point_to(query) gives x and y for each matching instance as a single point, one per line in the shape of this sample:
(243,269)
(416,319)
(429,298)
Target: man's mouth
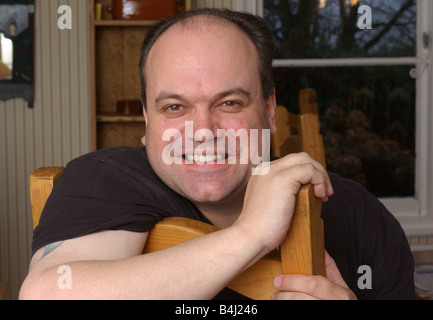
(204,158)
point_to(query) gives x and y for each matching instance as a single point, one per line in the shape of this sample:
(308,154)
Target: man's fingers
(307,170)
(281,295)
(315,286)
(305,173)
(332,272)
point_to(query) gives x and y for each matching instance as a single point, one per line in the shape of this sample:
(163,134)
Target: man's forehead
(202,22)
(203,25)
(202,45)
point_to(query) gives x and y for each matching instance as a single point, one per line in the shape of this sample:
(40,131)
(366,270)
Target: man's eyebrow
(235,91)
(167,95)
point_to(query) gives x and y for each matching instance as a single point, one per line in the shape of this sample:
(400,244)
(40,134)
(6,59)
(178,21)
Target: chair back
(296,133)
(42,181)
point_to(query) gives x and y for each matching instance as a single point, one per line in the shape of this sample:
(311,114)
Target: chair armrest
(42,181)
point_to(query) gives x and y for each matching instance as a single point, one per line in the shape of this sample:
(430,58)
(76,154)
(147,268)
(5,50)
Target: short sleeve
(113,189)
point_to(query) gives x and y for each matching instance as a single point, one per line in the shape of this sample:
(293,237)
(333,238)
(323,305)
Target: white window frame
(414,213)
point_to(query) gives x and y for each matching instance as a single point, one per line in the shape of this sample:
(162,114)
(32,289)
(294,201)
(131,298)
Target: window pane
(367,119)
(6,57)
(334,28)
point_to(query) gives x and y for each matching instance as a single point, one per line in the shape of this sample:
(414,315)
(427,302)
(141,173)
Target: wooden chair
(301,252)
(299,132)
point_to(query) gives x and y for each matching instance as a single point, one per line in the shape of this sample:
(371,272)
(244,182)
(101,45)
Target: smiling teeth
(202,158)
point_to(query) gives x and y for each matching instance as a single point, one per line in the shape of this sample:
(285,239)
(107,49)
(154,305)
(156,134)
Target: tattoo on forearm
(50,248)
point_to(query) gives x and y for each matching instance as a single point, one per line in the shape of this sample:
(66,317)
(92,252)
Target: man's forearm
(196,269)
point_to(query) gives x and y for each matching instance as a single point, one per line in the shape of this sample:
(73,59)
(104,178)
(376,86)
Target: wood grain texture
(42,181)
(296,133)
(303,251)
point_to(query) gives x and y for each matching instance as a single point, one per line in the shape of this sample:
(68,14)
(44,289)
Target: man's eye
(230,104)
(174,107)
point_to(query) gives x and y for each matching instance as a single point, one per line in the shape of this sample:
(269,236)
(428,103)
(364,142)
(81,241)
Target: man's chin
(208,198)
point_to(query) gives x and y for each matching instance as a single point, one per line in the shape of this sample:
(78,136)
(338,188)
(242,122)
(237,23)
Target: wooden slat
(303,251)
(42,181)
(306,126)
(308,101)
(293,121)
(312,141)
(283,131)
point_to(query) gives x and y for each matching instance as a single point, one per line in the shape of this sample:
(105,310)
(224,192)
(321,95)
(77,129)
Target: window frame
(415,214)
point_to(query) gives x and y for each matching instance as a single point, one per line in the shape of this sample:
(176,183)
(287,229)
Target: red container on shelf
(143,9)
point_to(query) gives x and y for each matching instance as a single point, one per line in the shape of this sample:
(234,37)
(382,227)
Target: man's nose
(205,125)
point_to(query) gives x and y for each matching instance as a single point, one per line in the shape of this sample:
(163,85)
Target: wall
(56,130)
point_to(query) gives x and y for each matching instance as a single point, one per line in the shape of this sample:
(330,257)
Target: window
(6,57)
(373,74)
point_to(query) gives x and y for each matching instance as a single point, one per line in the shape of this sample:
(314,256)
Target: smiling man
(223,91)
(213,69)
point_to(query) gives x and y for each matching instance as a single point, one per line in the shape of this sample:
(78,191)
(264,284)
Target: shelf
(119,118)
(124,23)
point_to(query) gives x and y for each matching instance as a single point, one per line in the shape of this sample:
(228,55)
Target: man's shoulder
(351,194)
(341,185)
(125,159)
(355,214)
(111,154)
(353,207)
(359,230)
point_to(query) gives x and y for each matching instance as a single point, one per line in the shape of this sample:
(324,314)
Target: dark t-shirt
(116,189)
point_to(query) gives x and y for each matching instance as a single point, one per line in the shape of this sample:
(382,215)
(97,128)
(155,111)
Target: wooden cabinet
(115,54)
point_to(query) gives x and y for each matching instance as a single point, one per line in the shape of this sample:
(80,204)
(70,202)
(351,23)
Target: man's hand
(270,199)
(303,287)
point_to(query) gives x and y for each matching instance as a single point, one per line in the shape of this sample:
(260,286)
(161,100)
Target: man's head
(253,26)
(205,70)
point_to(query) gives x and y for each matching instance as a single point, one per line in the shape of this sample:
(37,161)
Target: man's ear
(271,106)
(144,111)
(143,140)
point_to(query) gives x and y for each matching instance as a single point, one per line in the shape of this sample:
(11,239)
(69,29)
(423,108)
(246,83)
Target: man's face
(207,77)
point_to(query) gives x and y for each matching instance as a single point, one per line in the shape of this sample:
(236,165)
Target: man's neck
(221,215)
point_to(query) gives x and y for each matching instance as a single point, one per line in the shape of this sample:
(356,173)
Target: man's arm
(109,265)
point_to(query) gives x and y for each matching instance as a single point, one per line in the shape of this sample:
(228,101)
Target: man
(211,69)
